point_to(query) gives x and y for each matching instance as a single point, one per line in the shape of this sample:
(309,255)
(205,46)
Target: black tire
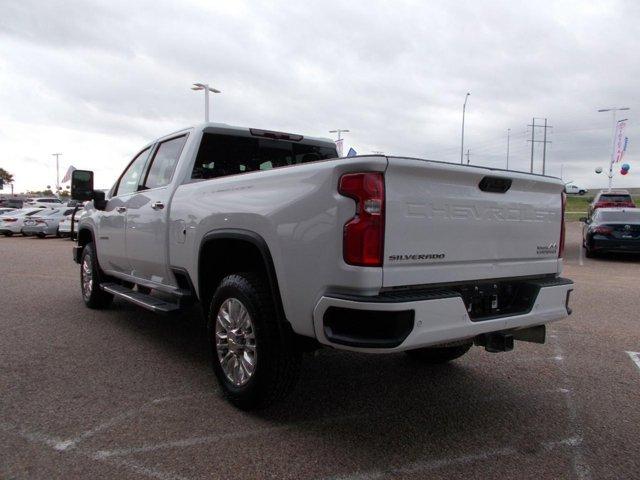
(93,296)
(277,360)
(8,234)
(435,355)
(58,234)
(41,235)
(581,192)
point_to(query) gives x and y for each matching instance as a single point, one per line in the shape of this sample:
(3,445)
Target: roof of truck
(246,130)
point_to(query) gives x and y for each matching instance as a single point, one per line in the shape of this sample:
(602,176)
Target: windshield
(619,216)
(615,198)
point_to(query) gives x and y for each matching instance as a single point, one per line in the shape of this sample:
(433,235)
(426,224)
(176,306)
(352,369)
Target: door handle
(121,209)
(158,205)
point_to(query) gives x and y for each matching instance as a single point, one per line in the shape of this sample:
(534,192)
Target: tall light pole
(57,155)
(207,89)
(613,111)
(508,141)
(464,108)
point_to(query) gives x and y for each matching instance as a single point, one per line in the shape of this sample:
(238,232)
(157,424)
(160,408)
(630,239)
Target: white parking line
(635,357)
(422,466)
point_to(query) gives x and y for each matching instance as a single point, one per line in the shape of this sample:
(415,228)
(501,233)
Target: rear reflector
(363,235)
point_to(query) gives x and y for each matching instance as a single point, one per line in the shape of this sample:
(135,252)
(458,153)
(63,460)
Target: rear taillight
(562,228)
(600,230)
(363,235)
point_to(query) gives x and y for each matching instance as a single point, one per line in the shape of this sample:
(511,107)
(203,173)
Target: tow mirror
(82,185)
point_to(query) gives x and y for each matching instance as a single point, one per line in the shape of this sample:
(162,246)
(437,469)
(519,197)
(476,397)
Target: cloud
(98,80)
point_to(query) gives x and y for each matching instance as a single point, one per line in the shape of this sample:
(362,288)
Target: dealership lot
(123,393)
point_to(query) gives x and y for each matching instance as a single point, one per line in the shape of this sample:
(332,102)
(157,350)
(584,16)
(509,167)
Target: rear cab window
(614,198)
(221,155)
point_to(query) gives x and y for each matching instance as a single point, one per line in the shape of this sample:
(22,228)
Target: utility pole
(57,155)
(613,111)
(544,147)
(464,108)
(508,140)
(207,89)
(544,141)
(467,155)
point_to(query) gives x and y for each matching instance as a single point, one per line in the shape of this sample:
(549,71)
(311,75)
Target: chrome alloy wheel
(87,277)
(236,342)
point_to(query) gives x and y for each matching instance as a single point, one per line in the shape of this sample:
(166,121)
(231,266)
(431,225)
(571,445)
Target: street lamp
(464,108)
(613,111)
(207,89)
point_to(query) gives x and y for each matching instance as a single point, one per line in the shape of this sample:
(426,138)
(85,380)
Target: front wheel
(254,356)
(41,235)
(435,355)
(90,277)
(8,234)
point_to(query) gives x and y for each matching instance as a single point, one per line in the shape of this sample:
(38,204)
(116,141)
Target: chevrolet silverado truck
(288,248)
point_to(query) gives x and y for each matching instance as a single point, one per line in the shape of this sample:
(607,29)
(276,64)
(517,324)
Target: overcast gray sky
(98,80)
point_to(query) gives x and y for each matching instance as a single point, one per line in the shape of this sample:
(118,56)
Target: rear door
(444,223)
(147,213)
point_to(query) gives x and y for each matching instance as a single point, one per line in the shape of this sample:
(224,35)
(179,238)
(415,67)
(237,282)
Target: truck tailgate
(441,227)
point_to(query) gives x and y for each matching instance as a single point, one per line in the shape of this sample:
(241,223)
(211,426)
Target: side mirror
(82,185)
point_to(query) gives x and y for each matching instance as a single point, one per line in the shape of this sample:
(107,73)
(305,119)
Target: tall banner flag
(619,141)
(339,147)
(67,176)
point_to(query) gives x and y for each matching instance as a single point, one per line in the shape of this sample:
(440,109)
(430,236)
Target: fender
(256,240)
(77,248)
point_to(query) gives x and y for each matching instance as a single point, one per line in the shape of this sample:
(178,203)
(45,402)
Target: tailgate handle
(495,184)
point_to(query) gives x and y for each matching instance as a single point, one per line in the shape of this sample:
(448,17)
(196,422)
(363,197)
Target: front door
(147,214)
(112,223)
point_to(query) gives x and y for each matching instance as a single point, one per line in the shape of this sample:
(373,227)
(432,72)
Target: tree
(6,177)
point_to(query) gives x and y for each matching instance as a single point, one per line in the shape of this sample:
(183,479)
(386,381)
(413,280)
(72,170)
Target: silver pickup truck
(288,248)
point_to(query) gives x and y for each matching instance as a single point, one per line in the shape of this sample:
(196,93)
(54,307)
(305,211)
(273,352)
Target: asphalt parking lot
(122,393)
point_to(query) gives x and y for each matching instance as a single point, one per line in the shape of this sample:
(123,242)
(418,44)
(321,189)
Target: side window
(164,162)
(131,177)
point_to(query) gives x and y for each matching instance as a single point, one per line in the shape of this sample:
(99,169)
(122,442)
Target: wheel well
(84,237)
(220,257)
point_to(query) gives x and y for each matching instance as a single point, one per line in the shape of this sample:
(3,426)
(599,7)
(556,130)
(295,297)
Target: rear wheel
(435,355)
(8,234)
(588,252)
(90,278)
(254,356)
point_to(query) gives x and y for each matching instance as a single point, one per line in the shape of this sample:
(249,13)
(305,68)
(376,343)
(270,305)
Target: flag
(67,176)
(619,141)
(339,147)
(351,153)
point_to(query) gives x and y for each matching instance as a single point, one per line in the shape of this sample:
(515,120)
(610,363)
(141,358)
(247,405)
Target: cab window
(131,177)
(164,162)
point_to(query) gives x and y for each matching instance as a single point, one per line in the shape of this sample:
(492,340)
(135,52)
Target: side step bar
(143,300)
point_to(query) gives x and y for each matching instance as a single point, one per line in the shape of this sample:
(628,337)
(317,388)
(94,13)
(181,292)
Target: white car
(43,202)
(573,189)
(13,222)
(288,247)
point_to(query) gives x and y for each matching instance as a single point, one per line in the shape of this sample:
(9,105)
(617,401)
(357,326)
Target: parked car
(612,230)
(43,202)
(611,199)
(573,189)
(288,247)
(11,203)
(12,222)
(65,226)
(46,222)
(4,210)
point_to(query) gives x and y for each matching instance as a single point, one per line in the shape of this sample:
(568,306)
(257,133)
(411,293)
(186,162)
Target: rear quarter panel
(299,214)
